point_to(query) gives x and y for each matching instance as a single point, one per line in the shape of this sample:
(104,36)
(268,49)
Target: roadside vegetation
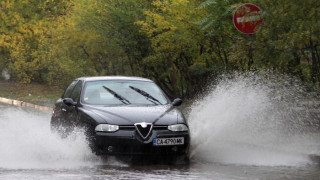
(35,93)
(180,44)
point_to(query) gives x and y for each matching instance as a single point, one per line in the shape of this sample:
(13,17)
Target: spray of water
(26,142)
(243,119)
(256,120)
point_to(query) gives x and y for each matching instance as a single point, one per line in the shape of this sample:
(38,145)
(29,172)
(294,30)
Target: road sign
(247,18)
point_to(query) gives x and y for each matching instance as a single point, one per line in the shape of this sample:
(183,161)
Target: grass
(39,94)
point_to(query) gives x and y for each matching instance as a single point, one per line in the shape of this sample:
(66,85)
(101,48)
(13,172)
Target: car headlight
(178,127)
(106,128)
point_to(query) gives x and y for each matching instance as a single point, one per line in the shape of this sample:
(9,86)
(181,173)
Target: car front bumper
(129,142)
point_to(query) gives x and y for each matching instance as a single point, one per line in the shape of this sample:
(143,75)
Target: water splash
(26,142)
(256,120)
(244,119)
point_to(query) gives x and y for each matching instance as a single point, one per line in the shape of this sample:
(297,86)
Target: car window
(75,95)
(68,91)
(96,93)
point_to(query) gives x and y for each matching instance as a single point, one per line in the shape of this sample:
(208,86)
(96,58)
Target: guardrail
(24,104)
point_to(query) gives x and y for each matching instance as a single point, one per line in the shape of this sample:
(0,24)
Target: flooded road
(30,151)
(192,171)
(238,132)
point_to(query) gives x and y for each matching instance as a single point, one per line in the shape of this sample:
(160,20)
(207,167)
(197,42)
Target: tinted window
(75,95)
(96,93)
(67,93)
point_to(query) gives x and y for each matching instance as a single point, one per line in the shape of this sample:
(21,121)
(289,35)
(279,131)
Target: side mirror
(69,102)
(177,102)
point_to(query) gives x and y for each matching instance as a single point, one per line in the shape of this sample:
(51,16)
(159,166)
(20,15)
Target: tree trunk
(173,77)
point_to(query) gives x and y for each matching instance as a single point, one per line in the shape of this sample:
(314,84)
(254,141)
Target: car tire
(91,140)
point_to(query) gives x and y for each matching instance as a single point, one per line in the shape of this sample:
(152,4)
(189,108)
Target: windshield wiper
(145,94)
(118,96)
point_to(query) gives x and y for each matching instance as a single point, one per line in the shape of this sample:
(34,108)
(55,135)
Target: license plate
(168,141)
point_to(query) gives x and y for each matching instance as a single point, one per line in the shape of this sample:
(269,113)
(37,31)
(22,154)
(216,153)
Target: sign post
(247,18)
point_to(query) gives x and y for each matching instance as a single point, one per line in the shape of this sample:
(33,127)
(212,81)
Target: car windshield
(115,93)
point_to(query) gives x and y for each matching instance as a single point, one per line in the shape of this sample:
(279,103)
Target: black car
(123,116)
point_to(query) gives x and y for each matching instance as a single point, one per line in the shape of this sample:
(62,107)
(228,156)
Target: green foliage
(291,34)
(180,56)
(22,26)
(114,21)
(287,41)
(180,44)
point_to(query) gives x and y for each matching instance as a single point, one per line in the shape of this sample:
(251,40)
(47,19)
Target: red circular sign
(246,18)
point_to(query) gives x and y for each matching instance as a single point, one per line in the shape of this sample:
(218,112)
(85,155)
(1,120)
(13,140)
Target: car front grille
(126,127)
(131,127)
(144,129)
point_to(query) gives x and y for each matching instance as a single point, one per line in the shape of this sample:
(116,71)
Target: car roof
(110,78)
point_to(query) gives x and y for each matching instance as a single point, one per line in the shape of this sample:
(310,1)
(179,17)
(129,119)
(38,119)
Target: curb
(24,104)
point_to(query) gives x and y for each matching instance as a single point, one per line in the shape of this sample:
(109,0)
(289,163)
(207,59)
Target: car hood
(128,115)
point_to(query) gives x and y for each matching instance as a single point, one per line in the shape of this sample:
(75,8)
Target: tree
(177,42)
(288,40)
(23,23)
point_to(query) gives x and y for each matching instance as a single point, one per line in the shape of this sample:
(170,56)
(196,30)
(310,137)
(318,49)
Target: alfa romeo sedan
(123,116)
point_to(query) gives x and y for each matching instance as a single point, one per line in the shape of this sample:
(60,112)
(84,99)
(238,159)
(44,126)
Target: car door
(71,111)
(60,108)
